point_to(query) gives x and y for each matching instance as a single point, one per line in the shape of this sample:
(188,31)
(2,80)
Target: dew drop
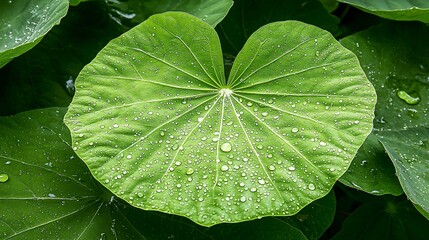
(291,168)
(295,130)
(190,171)
(264,114)
(261,181)
(200,119)
(243,199)
(322,144)
(311,187)
(115,125)
(140,194)
(260,146)
(162,133)
(129,156)
(226,147)
(224,168)
(272,168)
(253,189)
(4,177)
(249,104)
(178,163)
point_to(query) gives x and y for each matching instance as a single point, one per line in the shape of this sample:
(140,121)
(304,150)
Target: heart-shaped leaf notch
(159,125)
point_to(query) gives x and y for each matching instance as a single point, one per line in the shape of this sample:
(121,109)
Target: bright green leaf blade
(372,171)
(403,93)
(50,194)
(401,10)
(157,124)
(136,11)
(384,220)
(409,151)
(246,16)
(422,211)
(24,23)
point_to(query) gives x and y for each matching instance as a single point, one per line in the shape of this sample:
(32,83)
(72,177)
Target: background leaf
(401,10)
(403,90)
(24,23)
(246,16)
(49,82)
(154,119)
(372,171)
(133,12)
(384,219)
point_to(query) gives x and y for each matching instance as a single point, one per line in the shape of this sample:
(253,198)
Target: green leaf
(401,10)
(49,82)
(157,124)
(403,92)
(315,218)
(136,11)
(388,219)
(49,192)
(372,171)
(266,228)
(246,16)
(24,23)
(409,151)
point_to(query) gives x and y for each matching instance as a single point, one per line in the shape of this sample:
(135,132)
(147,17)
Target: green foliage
(266,94)
(200,131)
(402,10)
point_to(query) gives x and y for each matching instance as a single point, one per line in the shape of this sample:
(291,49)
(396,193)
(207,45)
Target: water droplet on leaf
(4,177)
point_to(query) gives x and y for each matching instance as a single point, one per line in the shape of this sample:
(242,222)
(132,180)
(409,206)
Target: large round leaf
(24,23)
(157,123)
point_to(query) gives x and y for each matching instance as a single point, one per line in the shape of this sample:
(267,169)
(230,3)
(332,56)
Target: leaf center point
(225,92)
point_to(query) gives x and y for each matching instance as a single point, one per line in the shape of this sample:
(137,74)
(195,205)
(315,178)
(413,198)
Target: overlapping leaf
(24,23)
(401,10)
(403,91)
(158,124)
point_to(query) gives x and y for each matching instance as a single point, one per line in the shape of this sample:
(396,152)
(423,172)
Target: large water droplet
(226,147)
(408,98)
(4,177)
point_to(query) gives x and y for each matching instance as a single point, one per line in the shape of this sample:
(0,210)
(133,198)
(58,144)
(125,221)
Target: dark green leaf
(133,12)
(372,171)
(315,218)
(44,76)
(396,59)
(402,10)
(158,124)
(384,220)
(246,16)
(23,23)
(409,151)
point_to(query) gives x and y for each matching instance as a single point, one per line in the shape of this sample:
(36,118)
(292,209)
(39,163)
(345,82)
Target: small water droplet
(295,130)
(272,168)
(311,186)
(224,168)
(261,181)
(162,133)
(243,199)
(51,195)
(249,104)
(260,147)
(253,189)
(322,144)
(226,147)
(178,163)
(115,125)
(291,168)
(129,156)
(4,177)
(200,119)
(264,114)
